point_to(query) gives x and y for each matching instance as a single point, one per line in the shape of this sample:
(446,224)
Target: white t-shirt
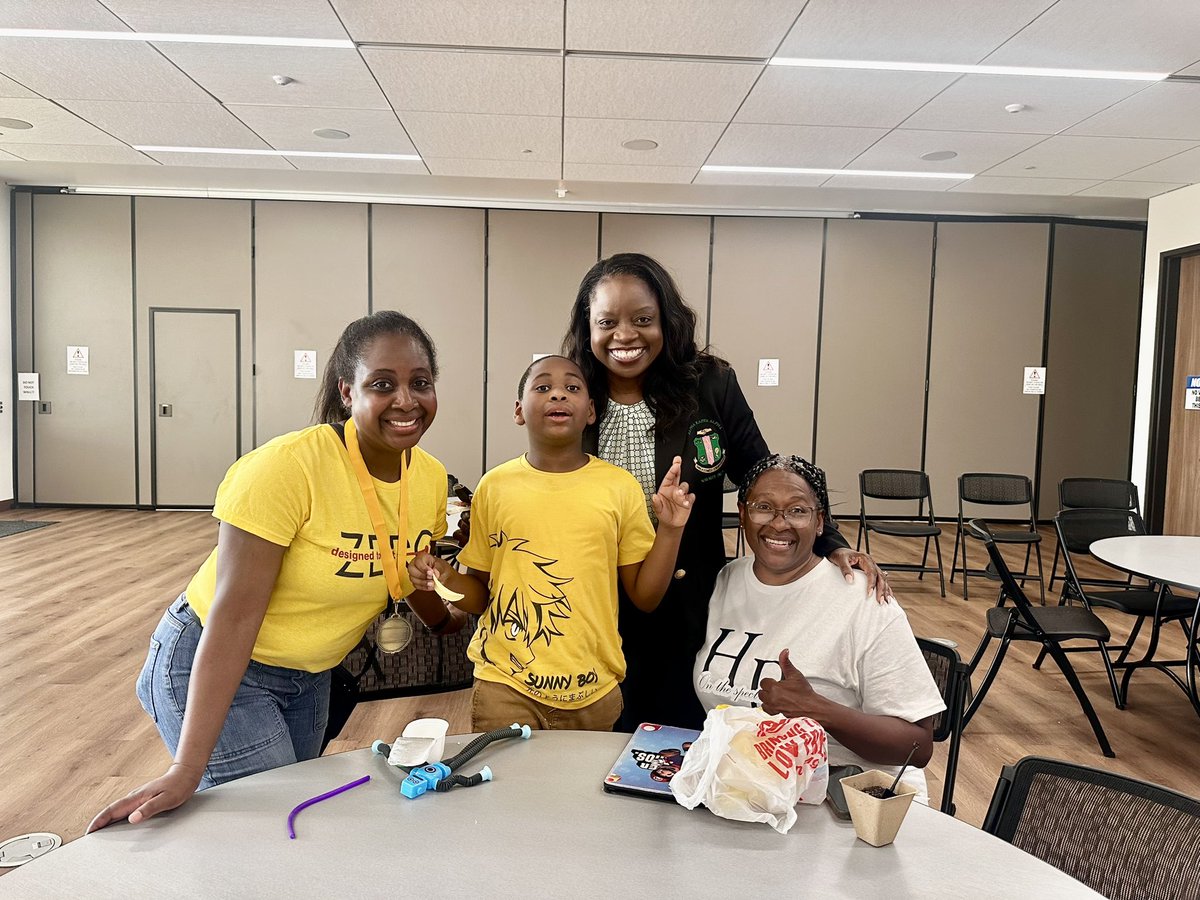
(853,650)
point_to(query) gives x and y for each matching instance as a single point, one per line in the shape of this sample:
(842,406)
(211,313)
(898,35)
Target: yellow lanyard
(391,569)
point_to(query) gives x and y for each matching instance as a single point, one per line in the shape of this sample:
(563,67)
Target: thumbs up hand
(792,695)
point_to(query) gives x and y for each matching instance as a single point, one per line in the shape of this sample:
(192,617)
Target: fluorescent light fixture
(166,38)
(235,151)
(964,69)
(873,173)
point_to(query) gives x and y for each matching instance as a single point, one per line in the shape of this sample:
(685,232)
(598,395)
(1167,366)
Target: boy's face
(555,403)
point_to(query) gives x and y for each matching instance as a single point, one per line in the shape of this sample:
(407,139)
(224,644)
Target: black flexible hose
(453,781)
(478,744)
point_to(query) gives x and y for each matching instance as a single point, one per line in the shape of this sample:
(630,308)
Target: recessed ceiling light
(331,134)
(170,38)
(15,124)
(871,173)
(938,155)
(640,144)
(964,69)
(1015,108)
(234,151)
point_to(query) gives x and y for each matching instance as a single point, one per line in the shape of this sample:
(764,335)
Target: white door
(194,366)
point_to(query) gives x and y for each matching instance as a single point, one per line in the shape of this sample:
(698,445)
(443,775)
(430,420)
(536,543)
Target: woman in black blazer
(658,396)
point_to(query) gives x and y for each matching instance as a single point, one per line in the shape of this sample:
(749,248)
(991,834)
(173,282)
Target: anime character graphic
(528,605)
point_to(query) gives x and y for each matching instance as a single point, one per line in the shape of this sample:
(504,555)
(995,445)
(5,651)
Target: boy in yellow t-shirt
(551,532)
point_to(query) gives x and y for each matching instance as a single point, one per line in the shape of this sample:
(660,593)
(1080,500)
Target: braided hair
(813,476)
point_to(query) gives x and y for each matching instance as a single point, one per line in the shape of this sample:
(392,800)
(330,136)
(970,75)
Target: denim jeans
(277,716)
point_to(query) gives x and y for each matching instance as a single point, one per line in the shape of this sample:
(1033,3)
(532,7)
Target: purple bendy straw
(291,823)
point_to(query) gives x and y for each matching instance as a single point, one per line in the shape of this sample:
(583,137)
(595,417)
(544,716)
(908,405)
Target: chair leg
(924,558)
(977,700)
(1041,577)
(1037,663)
(1128,645)
(978,655)
(1151,649)
(958,535)
(1118,696)
(1072,679)
(937,545)
(1054,565)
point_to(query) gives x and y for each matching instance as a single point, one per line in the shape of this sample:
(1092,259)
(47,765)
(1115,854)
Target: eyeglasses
(764,514)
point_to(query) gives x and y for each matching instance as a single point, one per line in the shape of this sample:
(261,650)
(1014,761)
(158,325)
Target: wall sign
(1035,380)
(1191,392)
(768,373)
(27,386)
(305,365)
(77,360)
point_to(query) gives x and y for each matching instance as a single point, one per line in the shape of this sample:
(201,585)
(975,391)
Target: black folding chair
(1048,626)
(1077,530)
(730,521)
(1094,493)
(1124,838)
(901,484)
(952,678)
(996,489)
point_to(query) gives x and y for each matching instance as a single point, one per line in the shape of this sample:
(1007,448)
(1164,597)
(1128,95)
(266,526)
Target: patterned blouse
(627,440)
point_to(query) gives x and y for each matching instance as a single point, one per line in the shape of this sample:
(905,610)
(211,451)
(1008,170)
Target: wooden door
(1181,505)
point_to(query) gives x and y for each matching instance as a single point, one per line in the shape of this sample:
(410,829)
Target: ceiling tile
(976,103)
(1163,36)
(94,70)
(266,18)
(8,157)
(477,23)
(1160,111)
(913,31)
(495,168)
(751,28)
(760,178)
(902,150)
(599,141)
(1143,190)
(51,125)
(444,81)
(78,153)
(467,136)
(1067,156)
(987,184)
(169,124)
(292,127)
(801,146)
(221,161)
(242,74)
(622,88)
(9,88)
(1183,167)
(377,166)
(883,183)
(633,174)
(87,15)
(793,96)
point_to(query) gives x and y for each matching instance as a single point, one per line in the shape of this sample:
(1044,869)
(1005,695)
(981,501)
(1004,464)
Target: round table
(1170,560)
(543,827)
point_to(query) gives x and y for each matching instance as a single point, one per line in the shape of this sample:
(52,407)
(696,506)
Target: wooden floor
(79,599)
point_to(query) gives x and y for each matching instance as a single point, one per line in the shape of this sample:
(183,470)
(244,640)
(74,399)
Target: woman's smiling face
(626,327)
(782,547)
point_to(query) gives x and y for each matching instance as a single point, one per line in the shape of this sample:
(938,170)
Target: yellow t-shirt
(552,542)
(299,491)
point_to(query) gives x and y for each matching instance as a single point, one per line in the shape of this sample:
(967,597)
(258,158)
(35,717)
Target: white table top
(1174,559)
(543,828)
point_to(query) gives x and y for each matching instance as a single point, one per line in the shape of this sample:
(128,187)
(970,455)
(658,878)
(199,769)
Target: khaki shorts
(498,706)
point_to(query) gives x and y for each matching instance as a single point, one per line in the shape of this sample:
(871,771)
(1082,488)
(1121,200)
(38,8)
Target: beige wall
(844,305)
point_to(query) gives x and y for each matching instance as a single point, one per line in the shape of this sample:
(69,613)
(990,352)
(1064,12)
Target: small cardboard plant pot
(876,821)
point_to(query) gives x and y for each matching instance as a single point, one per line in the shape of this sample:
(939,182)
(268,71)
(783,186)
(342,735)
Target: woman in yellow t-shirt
(308,552)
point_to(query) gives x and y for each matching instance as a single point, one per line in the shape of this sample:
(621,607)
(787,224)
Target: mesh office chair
(952,678)
(1094,493)
(994,489)
(1077,529)
(1048,626)
(1124,838)
(901,484)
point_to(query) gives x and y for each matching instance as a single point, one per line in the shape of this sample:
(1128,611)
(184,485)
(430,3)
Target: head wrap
(813,476)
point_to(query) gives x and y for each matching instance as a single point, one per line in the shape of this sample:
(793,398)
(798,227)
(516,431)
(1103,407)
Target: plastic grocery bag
(752,767)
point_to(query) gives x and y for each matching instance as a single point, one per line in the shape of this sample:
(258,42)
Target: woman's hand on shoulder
(673,501)
(169,791)
(877,584)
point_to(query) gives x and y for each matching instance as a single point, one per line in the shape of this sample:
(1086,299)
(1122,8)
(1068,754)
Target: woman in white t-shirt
(788,633)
